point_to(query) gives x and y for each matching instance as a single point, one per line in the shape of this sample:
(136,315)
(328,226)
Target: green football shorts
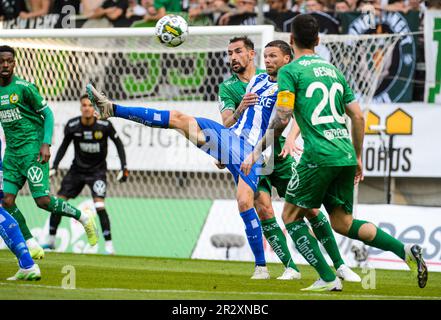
(279,178)
(16,170)
(310,187)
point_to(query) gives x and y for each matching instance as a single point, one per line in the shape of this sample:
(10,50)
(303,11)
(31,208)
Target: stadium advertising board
(140,227)
(432,42)
(395,84)
(414,125)
(421,225)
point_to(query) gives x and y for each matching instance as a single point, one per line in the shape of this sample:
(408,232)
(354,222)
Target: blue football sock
(146,116)
(253,229)
(11,234)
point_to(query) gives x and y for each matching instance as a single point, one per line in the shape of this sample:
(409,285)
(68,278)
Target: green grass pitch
(118,277)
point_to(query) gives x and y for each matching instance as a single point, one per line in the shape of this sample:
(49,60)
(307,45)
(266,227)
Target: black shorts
(74,182)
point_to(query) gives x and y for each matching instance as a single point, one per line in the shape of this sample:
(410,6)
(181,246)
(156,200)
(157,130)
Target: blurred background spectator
(163,7)
(433,4)
(35,8)
(320,10)
(212,9)
(10,9)
(114,11)
(342,6)
(243,14)
(88,7)
(279,15)
(314,6)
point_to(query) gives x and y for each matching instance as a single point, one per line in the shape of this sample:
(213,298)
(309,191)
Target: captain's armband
(285,99)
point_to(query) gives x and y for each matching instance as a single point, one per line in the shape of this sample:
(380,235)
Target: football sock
(12,236)
(105,223)
(277,240)
(63,208)
(382,240)
(18,216)
(253,230)
(54,222)
(323,232)
(146,116)
(308,246)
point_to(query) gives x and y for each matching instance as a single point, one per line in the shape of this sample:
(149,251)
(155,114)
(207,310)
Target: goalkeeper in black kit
(88,166)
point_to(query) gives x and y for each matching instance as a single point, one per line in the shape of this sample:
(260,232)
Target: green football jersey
(20,107)
(231,92)
(321,95)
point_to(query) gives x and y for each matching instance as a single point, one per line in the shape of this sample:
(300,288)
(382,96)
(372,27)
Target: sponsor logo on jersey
(13,98)
(293,182)
(10,115)
(332,134)
(35,174)
(89,147)
(88,135)
(98,135)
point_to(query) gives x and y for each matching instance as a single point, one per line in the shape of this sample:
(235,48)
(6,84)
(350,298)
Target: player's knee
(264,212)
(176,118)
(244,204)
(43,202)
(341,226)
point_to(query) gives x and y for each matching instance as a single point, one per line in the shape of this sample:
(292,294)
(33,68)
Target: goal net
(170,182)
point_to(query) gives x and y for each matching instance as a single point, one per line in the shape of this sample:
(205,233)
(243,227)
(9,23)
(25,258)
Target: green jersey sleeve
(34,99)
(225,99)
(348,94)
(286,80)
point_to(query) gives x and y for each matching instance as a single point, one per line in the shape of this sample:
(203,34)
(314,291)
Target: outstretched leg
(373,236)
(185,124)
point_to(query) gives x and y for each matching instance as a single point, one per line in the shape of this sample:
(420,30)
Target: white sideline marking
(302,294)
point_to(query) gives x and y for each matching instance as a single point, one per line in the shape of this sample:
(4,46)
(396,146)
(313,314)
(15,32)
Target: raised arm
(290,147)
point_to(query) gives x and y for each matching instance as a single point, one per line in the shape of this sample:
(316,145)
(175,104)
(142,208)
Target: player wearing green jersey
(232,98)
(233,101)
(28,122)
(316,93)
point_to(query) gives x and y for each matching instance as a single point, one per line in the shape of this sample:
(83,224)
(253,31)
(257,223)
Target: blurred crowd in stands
(334,17)
(203,12)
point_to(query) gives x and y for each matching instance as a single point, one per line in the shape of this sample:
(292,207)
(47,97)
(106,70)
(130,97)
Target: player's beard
(239,70)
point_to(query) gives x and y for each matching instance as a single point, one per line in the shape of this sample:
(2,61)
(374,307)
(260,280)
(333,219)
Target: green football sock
(16,213)
(308,246)
(277,240)
(63,208)
(322,230)
(382,240)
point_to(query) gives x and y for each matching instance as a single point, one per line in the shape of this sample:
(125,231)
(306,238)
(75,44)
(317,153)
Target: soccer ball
(171,30)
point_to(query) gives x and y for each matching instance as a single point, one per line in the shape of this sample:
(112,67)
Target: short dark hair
(282,45)
(249,44)
(305,29)
(84,96)
(7,49)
